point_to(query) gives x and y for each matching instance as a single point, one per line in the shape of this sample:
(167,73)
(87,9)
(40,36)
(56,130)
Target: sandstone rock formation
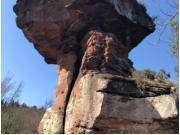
(90,40)
(106,103)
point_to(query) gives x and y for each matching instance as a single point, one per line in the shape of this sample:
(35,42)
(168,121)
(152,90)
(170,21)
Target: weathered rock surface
(90,40)
(103,52)
(52,122)
(49,23)
(54,116)
(92,109)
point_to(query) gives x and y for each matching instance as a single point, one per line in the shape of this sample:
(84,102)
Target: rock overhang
(49,24)
(96,80)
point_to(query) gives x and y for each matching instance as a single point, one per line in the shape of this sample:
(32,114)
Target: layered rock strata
(106,103)
(90,40)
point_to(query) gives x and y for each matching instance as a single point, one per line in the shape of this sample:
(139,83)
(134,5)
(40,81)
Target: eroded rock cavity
(89,40)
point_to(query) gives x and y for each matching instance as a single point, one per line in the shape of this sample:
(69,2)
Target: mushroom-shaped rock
(50,24)
(87,38)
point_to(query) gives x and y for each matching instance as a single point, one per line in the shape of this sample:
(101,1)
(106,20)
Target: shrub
(160,76)
(144,74)
(19,119)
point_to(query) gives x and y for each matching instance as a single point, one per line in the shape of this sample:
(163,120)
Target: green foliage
(34,107)
(176,69)
(144,74)
(162,76)
(174,41)
(148,74)
(174,38)
(24,105)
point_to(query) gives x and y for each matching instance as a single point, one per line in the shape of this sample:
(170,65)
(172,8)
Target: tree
(160,76)
(174,38)
(167,18)
(144,74)
(174,42)
(35,107)
(9,91)
(24,105)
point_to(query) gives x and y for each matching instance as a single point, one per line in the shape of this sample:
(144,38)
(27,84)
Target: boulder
(99,105)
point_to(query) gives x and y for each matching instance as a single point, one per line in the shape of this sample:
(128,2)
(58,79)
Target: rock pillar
(53,119)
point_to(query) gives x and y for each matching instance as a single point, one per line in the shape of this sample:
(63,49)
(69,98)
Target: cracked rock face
(92,109)
(89,40)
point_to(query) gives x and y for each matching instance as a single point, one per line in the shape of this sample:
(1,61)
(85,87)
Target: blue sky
(19,57)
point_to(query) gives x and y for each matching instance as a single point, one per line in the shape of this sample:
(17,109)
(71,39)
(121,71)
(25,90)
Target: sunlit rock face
(103,52)
(106,103)
(49,23)
(89,40)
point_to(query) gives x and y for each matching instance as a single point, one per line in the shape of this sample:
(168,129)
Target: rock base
(91,109)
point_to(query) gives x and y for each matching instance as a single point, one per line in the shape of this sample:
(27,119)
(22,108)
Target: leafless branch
(165,25)
(9,91)
(16,94)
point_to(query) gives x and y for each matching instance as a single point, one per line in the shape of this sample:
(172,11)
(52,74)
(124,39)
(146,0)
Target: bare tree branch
(9,91)
(164,26)
(16,94)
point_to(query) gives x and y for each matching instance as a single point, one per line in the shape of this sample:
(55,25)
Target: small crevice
(84,127)
(129,94)
(75,75)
